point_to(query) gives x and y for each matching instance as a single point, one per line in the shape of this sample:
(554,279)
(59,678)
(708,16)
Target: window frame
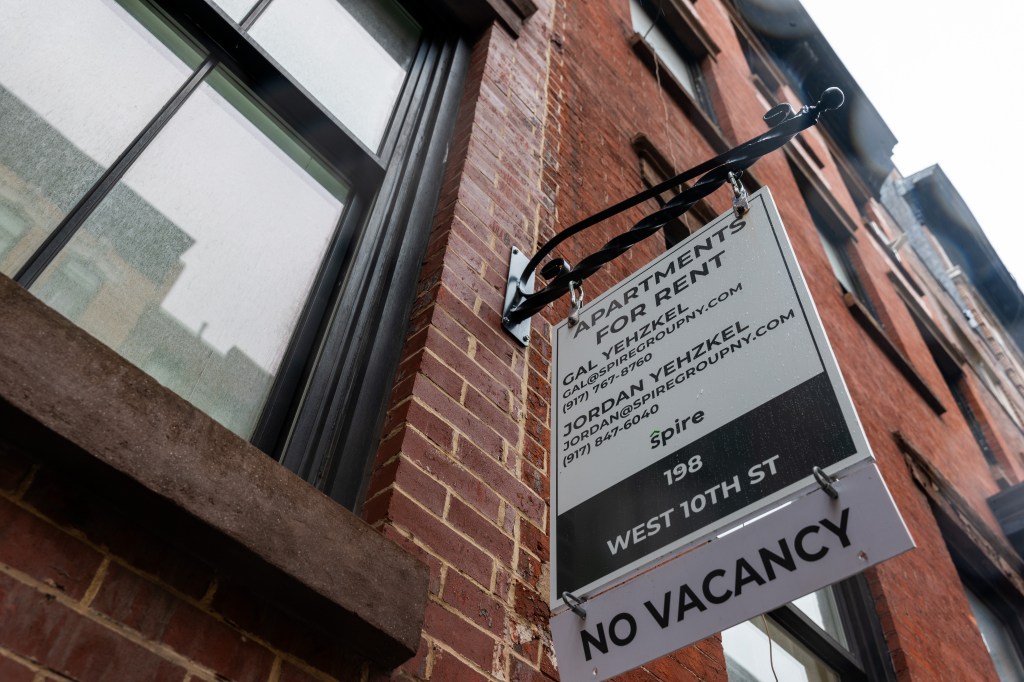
(656,169)
(693,45)
(334,379)
(866,659)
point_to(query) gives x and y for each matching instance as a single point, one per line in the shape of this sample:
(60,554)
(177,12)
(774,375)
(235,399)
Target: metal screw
(526,338)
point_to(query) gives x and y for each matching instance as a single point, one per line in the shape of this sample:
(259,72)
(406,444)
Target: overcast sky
(947,77)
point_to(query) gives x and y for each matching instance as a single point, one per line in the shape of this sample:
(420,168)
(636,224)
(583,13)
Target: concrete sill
(83,408)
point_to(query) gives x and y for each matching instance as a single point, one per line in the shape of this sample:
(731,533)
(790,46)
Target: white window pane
(78,81)
(838,263)
(821,608)
(678,64)
(205,254)
(352,56)
(748,659)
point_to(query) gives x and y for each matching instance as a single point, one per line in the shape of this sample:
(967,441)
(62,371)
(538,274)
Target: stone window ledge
(104,421)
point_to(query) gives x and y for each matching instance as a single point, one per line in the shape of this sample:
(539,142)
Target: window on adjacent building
(194,204)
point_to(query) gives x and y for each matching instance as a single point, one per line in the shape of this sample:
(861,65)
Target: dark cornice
(945,213)
(810,65)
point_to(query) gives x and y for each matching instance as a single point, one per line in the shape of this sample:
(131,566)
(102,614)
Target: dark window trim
(831,222)
(686,27)
(863,626)
(820,197)
(980,574)
(949,357)
(800,142)
(866,659)
(874,330)
(323,418)
(807,633)
(337,421)
(765,74)
(477,15)
(985,560)
(695,46)
(79,214)
(292,103)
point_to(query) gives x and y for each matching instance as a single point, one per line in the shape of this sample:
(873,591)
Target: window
(842,267)
(763,75)
(670,30)
(998,639)
(748,658)
(826,636)
(654,170)
(212,190)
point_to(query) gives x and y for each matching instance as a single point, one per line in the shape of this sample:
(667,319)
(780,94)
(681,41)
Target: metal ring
(575,286)
(825,481)
(739,193)
(574,603)
(577,302)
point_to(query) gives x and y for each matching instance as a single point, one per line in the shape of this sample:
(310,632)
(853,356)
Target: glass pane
(236,9)
(748,659)
(821,608)
(78,81)
(197,264)
(838,263)
(352,56)
(998,641)
(644,24)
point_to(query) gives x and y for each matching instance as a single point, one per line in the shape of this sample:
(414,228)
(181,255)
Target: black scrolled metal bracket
(521,303)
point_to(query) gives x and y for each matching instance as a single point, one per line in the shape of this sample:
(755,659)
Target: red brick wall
(461,479)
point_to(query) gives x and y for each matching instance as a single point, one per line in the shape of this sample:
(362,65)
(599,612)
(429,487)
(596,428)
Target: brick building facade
(399,527)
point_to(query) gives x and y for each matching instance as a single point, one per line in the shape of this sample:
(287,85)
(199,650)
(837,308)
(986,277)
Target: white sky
(947,78)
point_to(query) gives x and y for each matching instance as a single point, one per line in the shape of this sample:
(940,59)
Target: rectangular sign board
(689,396)
(809,543)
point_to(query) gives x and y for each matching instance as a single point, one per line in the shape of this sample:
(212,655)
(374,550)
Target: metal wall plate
(514,289)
